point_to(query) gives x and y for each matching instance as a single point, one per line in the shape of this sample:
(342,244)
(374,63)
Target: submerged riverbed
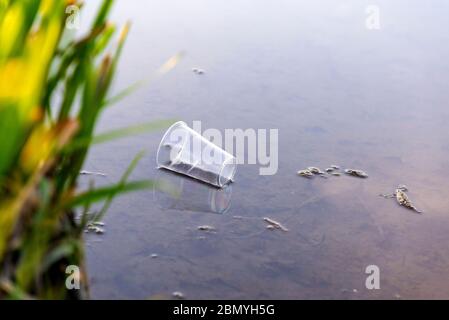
(339,93)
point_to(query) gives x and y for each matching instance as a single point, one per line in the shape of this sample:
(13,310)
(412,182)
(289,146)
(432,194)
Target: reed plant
(54,86)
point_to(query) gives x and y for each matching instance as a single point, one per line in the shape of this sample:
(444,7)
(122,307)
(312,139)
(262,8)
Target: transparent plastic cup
(187,152)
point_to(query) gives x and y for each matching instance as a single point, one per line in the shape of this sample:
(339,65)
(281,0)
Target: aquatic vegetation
(310,172)
(305,173)
(315,170)
(402,198)
(53,89)
(356,173)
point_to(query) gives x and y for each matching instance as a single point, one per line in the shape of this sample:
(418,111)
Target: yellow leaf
(38,148)
(10,29)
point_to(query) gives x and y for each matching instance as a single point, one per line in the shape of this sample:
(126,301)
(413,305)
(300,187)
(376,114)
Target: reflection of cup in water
(173,191)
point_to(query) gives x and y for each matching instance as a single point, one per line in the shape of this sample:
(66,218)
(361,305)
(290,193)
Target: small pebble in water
(178,295)
(206,228)
(94,228)
(198,70)
(99,230)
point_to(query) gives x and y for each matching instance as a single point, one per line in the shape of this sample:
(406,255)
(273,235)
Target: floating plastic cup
(187,152)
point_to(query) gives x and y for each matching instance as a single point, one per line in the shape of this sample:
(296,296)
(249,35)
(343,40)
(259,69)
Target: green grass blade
(104,193)
(102,14)
(118,133)
(123,180)
(164,68)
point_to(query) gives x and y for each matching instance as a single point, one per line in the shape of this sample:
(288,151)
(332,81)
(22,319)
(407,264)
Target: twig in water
(91,173)
(275,224)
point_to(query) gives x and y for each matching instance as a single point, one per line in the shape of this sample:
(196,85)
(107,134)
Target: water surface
(339,94)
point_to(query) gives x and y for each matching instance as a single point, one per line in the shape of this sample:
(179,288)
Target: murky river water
(339,93)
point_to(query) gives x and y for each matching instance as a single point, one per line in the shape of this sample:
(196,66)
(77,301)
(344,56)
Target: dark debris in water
(96,227)
(333,170)
(356,173)
(402,198)
(206,228)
